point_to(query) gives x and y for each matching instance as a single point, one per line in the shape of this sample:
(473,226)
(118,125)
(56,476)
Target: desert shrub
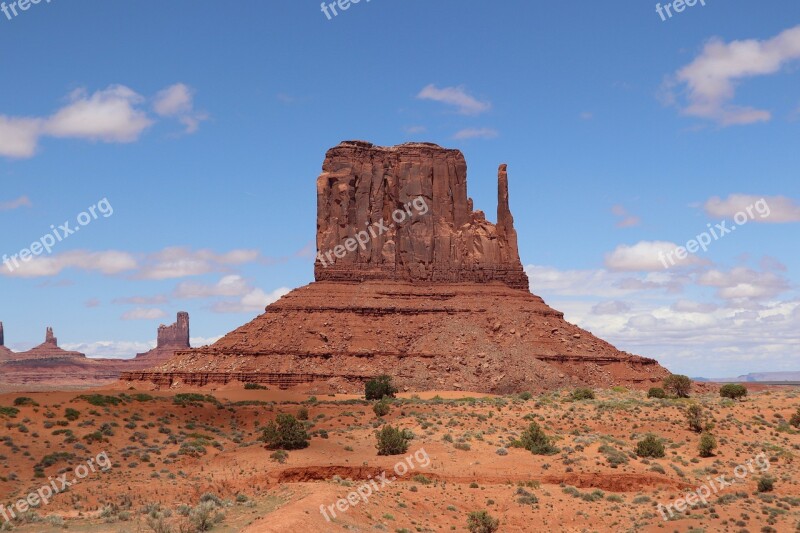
(695,417)
(482,522)
(707,445)
(24,400)
(391,441)
(71,414)
(650,446)
(205,516)
(536,441)
(382,407)
(678,385)
(9,411)
(100,400)
(583,394)
(379,388)
(656,392)
(733,391)
(766,484)
(795,420)
(142,397)
(186,398)
(302,413)
(254,386)
(525,396)
(285,433)
(279,456)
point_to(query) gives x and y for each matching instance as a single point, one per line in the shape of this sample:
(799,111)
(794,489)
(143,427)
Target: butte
(439,302)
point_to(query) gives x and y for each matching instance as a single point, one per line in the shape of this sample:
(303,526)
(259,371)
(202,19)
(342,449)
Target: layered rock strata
(439,300)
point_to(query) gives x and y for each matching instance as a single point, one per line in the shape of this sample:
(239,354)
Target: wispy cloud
(253,302)
(22,201)
(626,219)
(456,97)
(143,313)
(108,262)
(644,256)
(476,133)
(179,262)
(769,209)
(710,80)
(178,101)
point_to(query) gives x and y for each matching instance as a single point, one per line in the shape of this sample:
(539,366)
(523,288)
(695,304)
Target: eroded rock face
(405,212)
(175,335)
(439,302)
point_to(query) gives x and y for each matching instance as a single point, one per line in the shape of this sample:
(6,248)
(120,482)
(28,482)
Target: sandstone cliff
(439,301)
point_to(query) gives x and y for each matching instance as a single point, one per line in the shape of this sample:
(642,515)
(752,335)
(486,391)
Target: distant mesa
(439,302)
(49,365)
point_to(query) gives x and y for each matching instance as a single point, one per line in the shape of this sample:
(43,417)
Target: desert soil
(169,453)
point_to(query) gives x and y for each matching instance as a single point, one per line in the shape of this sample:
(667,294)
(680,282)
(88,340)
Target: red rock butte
(439,300)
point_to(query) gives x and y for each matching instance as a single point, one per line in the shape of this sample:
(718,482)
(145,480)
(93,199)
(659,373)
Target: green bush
(482,522)
(10,412)
(382,407)
(678,385)
(795,420)
(733,391)
(24,400)
(650,446)
(254,386)
(100,400)
(582,394)
(285,433)
(536,441)
(707,445)
(71,414)
(392,441)
(379,388)
(656,392)
(766,484)
(695,417)
(302,413)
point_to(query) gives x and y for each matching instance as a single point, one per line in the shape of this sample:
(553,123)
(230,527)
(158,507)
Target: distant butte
(439,302)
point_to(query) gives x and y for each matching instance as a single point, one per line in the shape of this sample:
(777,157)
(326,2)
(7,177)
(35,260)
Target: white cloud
(109,115)
(108,263)
(19,137)
(689,306)
(110,349)
(611,308)
(646,256)
(112,115)
(22,201)
(744,283)
(476,133)
(765,209)
(232,285)
(712,77)
(141,300)
(455,96)
(143,313)
(178,101)
(179,262)
(254,301)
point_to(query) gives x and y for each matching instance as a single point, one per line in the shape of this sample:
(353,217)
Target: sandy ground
(166,456)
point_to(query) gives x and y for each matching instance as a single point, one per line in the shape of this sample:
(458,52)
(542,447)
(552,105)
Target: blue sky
(204,126)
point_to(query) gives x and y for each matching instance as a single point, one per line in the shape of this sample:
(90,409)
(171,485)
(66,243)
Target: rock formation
(47,365)
(440,300)
(5,353)
(47,350)
(366,194)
